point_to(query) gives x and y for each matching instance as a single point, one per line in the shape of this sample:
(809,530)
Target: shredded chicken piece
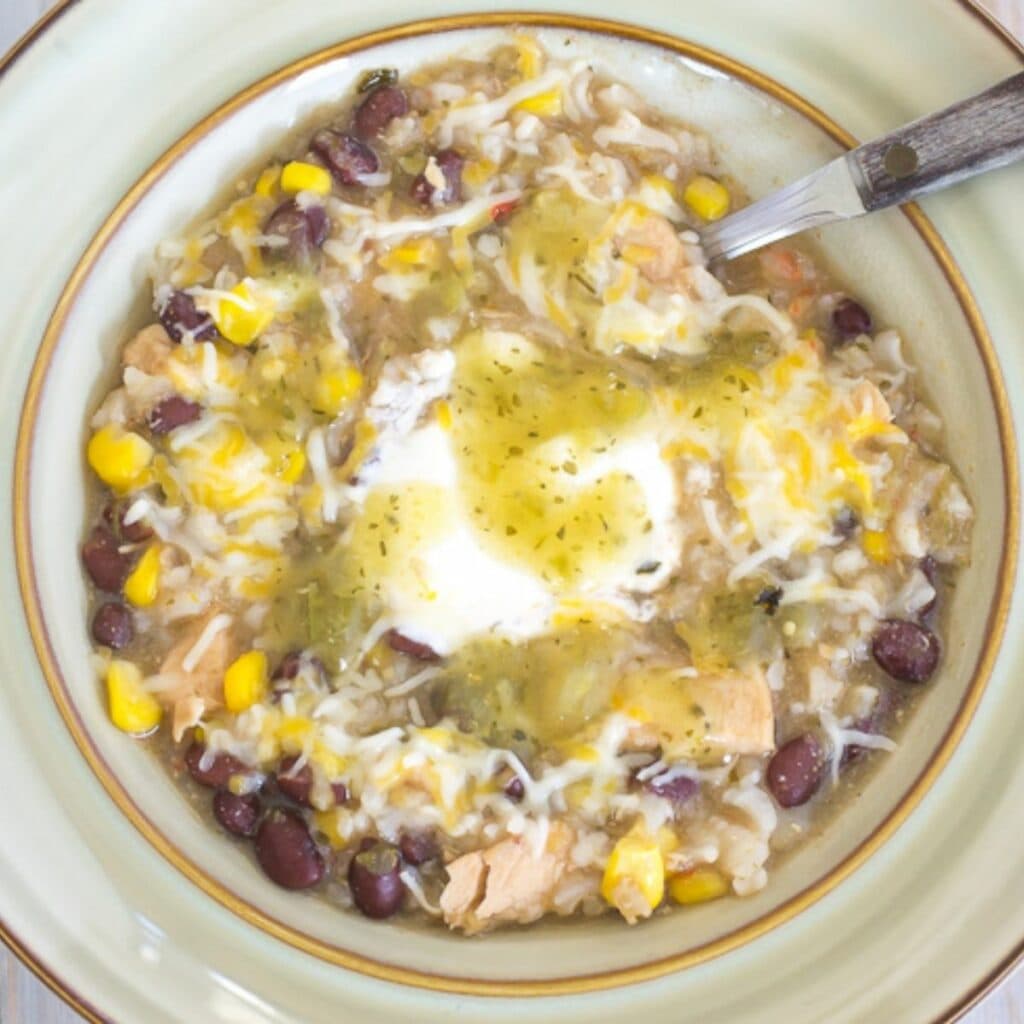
(148,350)
(703,718)
(190,694)
(667,264)
(866,400)
(506,882)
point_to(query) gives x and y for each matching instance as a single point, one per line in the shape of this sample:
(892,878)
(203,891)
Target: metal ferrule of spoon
(968,138)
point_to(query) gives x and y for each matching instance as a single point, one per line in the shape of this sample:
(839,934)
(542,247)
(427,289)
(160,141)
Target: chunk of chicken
(148,350)
(866,400)
(700,718)
(506,882)
(191,678)
(663,259)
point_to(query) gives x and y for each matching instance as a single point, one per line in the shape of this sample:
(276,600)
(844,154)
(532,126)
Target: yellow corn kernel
(706,197)
(266,183)
(334,389)
(478,172)
(877,546)
(292,733)
(697,885)
(141,586)
(528,60)
(118,457)
(635,864)
(444,415)
(544,104)
(245,681)
(417,252)
(242,316)
(239,784)
(132,708)
(327,823)
(302,177)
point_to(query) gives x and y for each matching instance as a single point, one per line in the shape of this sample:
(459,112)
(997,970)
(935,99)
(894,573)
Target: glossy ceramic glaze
(169,946)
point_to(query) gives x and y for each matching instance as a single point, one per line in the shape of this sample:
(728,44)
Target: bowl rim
(254,916)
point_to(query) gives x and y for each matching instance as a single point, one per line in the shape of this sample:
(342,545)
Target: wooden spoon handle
(970,137)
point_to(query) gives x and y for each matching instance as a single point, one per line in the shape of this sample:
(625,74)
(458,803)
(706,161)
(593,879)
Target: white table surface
(24,1000)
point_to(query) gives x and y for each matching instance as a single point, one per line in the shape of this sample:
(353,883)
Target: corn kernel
(266,183)
(478,172)
(697,886)
(706,197)
(636,866)
(292,733)
(119,457)
(132,708)
(528,59)
(327,823)
(243,316)
(141,586)
(238,784)
(444,415)
(245,681)
(301,177)
(544,104)
(877,546)
(334,389)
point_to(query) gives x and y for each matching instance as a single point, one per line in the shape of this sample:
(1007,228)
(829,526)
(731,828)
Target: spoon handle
(976,135)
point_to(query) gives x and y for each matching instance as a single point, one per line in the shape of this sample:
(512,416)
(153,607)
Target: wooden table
(24,1000)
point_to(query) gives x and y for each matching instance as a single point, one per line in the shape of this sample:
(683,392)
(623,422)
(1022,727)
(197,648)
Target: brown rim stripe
(996,623)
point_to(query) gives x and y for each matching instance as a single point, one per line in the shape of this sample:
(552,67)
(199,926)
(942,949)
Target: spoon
(968,138)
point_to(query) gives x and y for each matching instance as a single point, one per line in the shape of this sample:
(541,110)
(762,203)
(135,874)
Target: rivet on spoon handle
(976,135)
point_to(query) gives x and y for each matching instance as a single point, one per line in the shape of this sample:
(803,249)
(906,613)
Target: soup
(485,553)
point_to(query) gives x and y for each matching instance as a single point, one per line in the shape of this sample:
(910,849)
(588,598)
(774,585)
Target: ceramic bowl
(765,136)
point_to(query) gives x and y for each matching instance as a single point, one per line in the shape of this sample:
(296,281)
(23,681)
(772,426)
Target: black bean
(851,319)
(930,568)
(238,814)
(450,162)
(846,522)
(418,847)
(406,645)
(378,110)
(872,722)
(376,78)
(291,664)
(340,791)
(131,533)
(796,770)
(219,771)
(295,785)
(304,229)
(286,850)
(113,626)
(374,880)
(180,314)
(108,567)
(172,412)
(514,789)
(679,789)
(906,651)
(345,156)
